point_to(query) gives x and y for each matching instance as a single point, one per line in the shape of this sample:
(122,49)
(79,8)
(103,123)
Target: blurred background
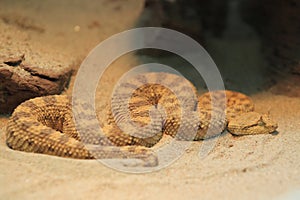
(255,43)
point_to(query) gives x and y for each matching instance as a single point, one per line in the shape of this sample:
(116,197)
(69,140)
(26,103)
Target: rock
(22,82)
(27,71)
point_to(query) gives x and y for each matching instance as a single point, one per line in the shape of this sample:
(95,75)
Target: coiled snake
(46,124)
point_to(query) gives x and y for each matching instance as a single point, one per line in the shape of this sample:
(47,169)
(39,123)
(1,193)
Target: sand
(248,167)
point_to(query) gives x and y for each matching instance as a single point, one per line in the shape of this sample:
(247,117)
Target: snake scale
(46,124)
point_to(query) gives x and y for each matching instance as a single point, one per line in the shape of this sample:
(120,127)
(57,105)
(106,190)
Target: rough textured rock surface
(28,71)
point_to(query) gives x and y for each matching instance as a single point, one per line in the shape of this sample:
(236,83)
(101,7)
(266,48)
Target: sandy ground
(258,166)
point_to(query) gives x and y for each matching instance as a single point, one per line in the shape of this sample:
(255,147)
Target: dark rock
(19,83)
(27,71)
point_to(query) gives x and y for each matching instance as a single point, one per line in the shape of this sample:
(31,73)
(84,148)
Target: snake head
(252,123)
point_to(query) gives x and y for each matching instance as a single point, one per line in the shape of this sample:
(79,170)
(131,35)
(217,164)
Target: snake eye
(261,122)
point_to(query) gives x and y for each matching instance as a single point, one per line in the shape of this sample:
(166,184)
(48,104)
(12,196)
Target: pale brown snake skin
(46,124)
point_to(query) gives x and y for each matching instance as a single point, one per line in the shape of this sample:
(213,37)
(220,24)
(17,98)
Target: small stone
(76,28)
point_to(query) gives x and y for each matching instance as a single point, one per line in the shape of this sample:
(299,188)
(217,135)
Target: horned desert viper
(46,124)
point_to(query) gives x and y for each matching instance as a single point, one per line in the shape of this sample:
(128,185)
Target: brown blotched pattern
(46,125)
